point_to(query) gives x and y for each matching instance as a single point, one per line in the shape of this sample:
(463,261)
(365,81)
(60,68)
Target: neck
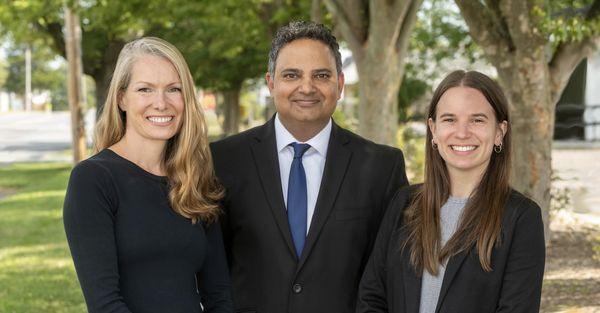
(303,131)
(463,183)
(147,154)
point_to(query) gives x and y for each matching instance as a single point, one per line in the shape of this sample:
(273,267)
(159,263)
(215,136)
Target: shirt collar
(319,142)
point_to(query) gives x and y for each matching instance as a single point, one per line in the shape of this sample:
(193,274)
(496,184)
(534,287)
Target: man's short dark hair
(304,30)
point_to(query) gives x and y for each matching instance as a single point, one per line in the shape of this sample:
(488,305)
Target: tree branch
(347,26)
(394,14)
(567,56)
(515,16)
(54,30)
(594,11)
(482,27)
(407,26)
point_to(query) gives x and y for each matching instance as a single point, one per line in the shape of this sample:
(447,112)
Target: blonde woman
(140,215)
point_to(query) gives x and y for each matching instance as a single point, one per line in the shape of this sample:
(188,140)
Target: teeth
(160,119)
(463,148)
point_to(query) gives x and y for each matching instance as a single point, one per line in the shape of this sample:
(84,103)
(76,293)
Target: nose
(160,103)
(463,130)
(307,86)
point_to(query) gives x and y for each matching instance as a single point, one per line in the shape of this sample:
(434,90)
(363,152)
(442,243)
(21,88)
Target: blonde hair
(194,192)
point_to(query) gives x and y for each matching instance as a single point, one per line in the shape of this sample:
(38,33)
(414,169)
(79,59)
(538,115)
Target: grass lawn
(36,269)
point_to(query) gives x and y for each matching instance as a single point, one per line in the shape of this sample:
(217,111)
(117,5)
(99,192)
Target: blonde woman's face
(153,102)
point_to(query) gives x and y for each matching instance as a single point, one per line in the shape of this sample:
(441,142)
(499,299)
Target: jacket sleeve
(522,282)
(372,291)
(213,280)
(88,216)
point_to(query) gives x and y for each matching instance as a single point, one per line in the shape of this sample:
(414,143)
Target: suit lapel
(336,164)
(454,264)
(264,150)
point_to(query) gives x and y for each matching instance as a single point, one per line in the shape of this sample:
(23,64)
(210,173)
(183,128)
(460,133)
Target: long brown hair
(480,223)
(194,192)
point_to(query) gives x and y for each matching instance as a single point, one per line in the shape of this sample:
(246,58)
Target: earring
(434,145)
(498,148)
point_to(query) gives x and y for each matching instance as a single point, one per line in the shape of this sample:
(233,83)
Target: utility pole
(28,78)
(73,47)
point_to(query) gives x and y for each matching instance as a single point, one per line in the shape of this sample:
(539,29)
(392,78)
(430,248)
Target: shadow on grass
(36,270)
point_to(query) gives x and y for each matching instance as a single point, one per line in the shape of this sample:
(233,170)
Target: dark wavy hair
(304,30)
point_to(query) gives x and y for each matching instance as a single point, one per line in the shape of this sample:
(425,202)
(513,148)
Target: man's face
(305,86)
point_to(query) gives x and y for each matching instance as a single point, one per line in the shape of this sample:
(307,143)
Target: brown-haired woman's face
(465,130)
(153,101)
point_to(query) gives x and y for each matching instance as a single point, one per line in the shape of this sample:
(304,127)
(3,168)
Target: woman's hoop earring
(498,148)
(434,145)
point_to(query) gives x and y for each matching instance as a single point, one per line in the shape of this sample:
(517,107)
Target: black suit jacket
(390,284)
(359,179)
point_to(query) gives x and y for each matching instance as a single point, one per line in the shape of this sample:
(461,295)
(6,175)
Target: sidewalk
(579,171)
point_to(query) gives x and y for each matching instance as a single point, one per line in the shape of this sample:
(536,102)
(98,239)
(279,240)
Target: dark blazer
(359,179)
(390,284)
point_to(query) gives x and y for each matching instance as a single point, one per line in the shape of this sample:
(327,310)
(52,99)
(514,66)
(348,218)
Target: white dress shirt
(313,161)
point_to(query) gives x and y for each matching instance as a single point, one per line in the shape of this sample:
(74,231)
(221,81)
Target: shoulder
(522,212)
(401,201)
(240,138)
(519,204)
(405,195)
(363,145)
(96,171)
(97,164)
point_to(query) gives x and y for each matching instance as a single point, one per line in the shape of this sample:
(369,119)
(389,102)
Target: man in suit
(304,197)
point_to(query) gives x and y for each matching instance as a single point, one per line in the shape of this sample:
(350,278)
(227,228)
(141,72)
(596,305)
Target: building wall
(592,98)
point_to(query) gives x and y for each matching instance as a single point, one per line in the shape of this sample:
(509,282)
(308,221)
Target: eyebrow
(480,115)
(291,70)
(152,84)
(447,115)
(322,70)
(472,115)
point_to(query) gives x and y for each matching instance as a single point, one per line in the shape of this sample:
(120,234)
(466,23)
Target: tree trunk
(231,110)
(380,79)
(378,33)
(73,44)
(102,82)
(526,82)
(315,11)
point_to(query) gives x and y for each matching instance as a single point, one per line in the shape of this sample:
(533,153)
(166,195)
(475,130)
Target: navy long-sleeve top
(132,252)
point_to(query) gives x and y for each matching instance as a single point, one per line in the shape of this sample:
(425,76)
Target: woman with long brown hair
(463,241)
(140,215)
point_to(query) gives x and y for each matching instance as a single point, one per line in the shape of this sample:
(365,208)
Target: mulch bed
(572,276)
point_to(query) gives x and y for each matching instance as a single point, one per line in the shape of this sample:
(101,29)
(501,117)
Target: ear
(270,81)
(120,103)
(502,127)
(341,80)
(431,125)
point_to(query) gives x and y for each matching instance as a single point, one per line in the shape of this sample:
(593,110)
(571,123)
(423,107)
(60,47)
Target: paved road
(37,136)
(579,170)
(33,137)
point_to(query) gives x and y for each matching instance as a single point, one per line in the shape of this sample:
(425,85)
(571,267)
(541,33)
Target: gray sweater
(430,286)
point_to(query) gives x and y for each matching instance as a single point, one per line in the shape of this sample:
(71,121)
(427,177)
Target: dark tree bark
(231,110)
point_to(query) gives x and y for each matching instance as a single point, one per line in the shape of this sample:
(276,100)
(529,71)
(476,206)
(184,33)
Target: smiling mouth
(160,119)
(463,148)
(306,101)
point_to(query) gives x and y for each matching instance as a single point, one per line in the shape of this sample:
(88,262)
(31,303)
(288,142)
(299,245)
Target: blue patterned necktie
(296,199)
